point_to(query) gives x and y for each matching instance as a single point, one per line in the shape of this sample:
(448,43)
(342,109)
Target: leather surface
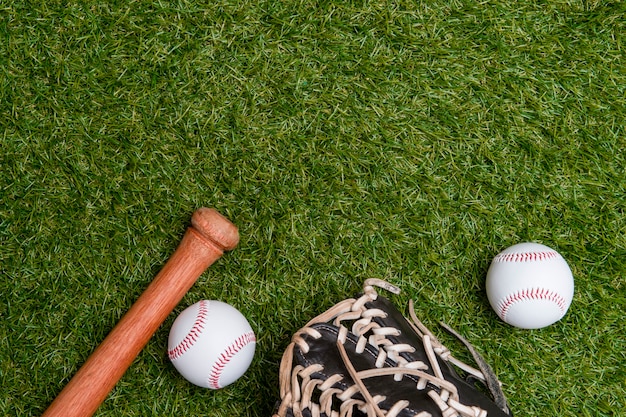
(324,351)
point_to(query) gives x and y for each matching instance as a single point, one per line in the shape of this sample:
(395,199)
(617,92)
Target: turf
(401,140)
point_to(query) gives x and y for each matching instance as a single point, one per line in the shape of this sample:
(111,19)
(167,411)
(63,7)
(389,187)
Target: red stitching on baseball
(525,256)
(226,356)
(530,294)
(194,333)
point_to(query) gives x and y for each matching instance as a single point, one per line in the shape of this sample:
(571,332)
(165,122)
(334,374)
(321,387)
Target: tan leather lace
(300,391)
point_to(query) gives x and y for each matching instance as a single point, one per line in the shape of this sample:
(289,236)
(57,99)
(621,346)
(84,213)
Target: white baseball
(530,285)
(211,344)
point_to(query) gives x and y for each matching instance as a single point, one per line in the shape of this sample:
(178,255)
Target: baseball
(211,344)
(530,285)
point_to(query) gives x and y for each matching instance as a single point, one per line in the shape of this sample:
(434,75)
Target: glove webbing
(298,386)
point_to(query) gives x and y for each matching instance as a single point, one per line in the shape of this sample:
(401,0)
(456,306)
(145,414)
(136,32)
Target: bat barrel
(204,242)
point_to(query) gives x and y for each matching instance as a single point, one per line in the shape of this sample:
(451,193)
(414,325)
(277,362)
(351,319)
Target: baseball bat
(209,235)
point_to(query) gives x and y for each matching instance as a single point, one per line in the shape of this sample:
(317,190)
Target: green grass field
(408,141)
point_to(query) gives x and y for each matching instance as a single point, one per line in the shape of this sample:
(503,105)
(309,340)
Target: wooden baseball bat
(204,242)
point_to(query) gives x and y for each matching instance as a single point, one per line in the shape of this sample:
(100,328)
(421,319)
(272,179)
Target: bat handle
(204,242)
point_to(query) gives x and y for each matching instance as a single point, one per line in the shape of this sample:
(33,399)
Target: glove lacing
(298,386)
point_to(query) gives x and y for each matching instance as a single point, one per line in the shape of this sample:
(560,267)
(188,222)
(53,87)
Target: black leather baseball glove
(363,358)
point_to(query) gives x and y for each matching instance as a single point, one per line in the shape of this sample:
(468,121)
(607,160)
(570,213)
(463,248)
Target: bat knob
(215,228)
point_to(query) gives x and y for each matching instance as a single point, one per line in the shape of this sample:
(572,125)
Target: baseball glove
(363,358)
